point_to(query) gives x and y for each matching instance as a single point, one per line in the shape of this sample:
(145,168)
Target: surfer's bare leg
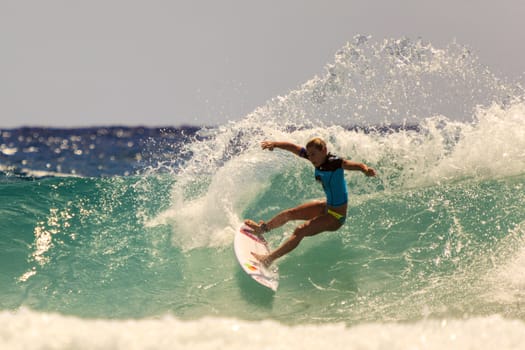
(312,227)
(305,211)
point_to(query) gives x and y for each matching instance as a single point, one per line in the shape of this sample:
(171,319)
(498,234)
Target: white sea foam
(207,202)
(493,146)
(27,329)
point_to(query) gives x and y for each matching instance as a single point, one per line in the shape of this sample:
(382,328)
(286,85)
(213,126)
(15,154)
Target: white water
(30,330)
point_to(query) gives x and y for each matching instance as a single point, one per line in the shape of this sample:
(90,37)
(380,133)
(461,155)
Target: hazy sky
(172,62)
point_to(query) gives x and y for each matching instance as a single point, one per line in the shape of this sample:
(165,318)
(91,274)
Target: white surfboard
(244,244)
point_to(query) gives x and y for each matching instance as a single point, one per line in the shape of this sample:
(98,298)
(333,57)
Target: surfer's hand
(370,172)
(269,145)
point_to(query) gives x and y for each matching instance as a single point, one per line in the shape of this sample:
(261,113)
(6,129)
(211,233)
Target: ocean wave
(150,233)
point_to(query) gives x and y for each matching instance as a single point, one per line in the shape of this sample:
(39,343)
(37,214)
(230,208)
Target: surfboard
(246,242)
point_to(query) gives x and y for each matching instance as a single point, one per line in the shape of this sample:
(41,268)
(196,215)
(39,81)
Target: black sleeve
(333,163)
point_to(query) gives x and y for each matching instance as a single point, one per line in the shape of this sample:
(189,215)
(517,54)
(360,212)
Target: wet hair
(316,142)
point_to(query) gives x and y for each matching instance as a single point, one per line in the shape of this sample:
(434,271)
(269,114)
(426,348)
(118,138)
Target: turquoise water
(83,247)
(135,250)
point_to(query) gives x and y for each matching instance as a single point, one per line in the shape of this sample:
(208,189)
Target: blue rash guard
(331,175)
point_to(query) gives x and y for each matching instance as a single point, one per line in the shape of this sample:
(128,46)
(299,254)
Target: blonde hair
(316,142)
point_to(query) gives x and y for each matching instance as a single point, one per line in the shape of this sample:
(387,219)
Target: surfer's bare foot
(258,229)
(263,259)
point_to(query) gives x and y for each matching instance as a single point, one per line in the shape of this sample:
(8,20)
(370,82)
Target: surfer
(320,215)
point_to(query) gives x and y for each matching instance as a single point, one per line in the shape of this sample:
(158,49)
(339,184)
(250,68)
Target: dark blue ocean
(121,237)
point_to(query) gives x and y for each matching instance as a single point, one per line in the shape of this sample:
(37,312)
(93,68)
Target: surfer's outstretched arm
(287,146)
(350,165)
